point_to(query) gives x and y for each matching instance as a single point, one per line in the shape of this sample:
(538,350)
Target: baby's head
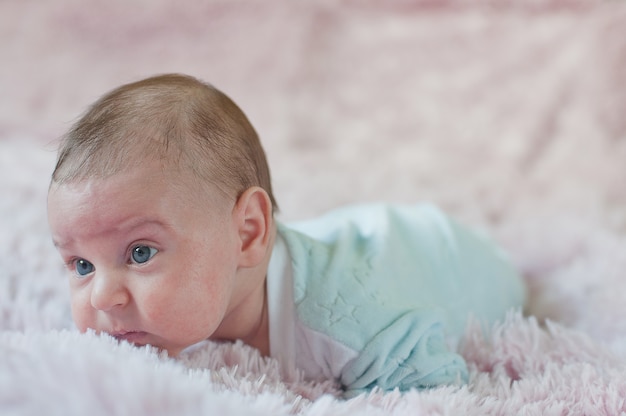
(175,120)
(161,207)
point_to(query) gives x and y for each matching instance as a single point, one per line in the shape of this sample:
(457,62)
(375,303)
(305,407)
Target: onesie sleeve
(410,353)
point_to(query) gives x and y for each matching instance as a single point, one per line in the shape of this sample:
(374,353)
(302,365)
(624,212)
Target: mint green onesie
(371,295)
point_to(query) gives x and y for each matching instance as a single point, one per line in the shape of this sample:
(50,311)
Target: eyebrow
(58,244)
(135,223)
(123,226)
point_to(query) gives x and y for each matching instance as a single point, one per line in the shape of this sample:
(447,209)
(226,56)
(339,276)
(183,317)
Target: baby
(162,209)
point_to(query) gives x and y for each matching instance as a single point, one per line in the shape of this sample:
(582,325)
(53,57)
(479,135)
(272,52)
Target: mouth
(134,337)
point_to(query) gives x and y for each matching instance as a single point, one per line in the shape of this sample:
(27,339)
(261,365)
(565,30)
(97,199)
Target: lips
(134,337)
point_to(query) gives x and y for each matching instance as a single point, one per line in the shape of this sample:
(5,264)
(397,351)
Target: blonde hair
(175,119)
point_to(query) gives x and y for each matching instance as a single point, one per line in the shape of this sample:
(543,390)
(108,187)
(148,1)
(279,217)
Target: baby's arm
(410,353)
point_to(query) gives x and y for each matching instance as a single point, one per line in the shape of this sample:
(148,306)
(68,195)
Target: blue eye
(142,254)
(83,267)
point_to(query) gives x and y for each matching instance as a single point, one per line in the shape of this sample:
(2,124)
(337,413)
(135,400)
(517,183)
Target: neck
(259,336)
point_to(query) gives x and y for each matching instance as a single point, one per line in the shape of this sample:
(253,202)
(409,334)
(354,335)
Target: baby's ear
(253,216)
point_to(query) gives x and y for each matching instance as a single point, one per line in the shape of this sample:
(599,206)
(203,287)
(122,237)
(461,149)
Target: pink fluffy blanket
(511,115)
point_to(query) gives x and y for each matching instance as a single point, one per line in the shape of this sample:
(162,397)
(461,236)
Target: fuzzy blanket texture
(509,114)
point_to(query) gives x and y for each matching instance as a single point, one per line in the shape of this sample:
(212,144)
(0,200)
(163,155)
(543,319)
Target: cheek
(82,312)
(193,290)
(191,301)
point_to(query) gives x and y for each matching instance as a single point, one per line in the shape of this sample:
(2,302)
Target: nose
(109,291)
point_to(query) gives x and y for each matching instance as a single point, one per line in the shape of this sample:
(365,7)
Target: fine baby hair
(175,119)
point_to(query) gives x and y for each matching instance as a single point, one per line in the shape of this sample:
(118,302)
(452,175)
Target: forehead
(126,184)
(97,206)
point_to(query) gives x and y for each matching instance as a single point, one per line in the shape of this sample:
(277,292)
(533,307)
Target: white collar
(281,308)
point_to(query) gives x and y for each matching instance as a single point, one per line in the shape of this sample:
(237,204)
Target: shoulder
(374,219)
